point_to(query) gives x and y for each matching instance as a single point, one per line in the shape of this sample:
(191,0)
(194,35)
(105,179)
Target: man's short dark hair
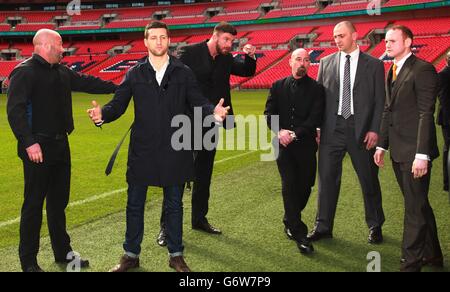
(407,33)
(225,27)
(156,24)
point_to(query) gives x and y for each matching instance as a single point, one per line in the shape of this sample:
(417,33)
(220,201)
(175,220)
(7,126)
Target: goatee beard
(301,72)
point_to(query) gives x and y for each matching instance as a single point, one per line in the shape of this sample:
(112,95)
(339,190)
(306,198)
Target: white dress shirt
(354,57)
(160,74)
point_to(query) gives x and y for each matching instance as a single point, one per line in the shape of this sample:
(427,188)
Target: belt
(52,137)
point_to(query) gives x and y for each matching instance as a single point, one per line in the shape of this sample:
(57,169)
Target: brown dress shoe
(126,263)
(178,264)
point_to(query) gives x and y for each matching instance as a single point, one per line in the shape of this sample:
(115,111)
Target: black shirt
(299,105)
(40,98)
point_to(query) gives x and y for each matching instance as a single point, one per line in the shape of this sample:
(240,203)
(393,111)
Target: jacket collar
(42,61)
(173,63)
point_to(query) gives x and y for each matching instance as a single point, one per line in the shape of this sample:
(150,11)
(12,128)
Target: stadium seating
(133,13)
(89,15)
(5,27)
(79,27)
(187,10)
(242,6)
(276,36)
(296,3)
(116,67)
(83,63)
(341,7)
(235,17)
(98,47)
(265,59)
(26,50)
(277,13)
(184,20)
(6,68)
(33,26)
(127,24)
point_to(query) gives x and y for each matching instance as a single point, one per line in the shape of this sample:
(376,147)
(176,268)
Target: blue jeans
(172,204)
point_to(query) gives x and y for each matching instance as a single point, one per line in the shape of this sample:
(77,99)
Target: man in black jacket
(444,114)
(299,102)
(40,115)
(212,64)
(162,88)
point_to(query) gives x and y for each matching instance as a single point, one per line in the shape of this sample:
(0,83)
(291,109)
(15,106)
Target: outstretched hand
(221,112)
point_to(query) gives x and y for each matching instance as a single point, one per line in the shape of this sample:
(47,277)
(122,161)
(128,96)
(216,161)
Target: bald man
(444,114)
(298,101)
(40,115)
(355,94)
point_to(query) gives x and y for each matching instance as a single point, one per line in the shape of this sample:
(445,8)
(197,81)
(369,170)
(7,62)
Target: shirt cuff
(423,157)
(380,148)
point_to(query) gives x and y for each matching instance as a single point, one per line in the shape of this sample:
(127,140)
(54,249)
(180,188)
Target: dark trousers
(173,219)
(297,165)
(203,169)
(420,237)
(331,155)
(446,135)
(50,182)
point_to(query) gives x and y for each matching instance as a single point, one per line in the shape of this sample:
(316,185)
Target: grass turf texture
(246,204)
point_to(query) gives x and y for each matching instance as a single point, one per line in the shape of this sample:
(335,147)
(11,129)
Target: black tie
(346,95)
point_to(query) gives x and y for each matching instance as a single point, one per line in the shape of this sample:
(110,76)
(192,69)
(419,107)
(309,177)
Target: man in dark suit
(299,102)
(40,115)
(212,64)
(354,87)
(444,114)
(408,131)
(162,88)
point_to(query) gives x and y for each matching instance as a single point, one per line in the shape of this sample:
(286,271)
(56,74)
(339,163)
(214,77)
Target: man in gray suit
(355,94)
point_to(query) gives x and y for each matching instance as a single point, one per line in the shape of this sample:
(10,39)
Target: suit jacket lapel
(388,86)
(337,63)
(361,69)
(406,70)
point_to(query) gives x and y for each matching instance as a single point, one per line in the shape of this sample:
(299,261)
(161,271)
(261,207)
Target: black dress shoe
(33,269)
(288,233)
(437,262)
(206,227)
(316,236)
(162,238)
(305,247)
(375,236)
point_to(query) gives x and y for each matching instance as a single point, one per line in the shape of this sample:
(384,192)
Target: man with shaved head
(298,101)
(40,115)
(354,86)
